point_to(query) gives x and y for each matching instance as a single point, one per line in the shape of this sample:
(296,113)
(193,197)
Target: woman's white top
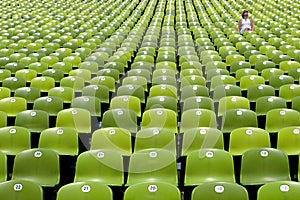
(246,23)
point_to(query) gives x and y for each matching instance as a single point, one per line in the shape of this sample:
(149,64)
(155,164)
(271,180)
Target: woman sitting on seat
(245,24)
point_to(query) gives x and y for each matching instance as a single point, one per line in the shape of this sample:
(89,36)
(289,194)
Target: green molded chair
(105,80)
(65,93)
(129,102)
(287,65)
(3,169)
(120,117)
(201,138)
(193,91)
(136,80)
(289,91)
(264,165)
(215,72)
(226,90)
(4,92)
(14,83)
(27,74)
(159,138)
(162,102)
(267,103)
(34,120)
(75,82)
(40,166)
(20,189)
(246,118)
(261,65)
(13,105)
(256,91)
(14,139)
(280,190)
(152,165)
(90,103)
(203,166)
(43,83)
(132,90)
(163,90)
(192,80)
(77,118)
(116,139)
(28,93)
(198,102)
(194,118)
(84,190)
(232,102)
(289,140)
(277,81)
(51,104)
(222,80)
(219,190)
(57,74)
(160,117)
(280,118)
(157,190)
(250,80)
(63,140)
(101,165)
(245,138)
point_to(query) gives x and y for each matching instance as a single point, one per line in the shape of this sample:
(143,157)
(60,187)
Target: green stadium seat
(280,118)
(86,190)
(62,140)
(113,138)
(279,190)
(40,166)
(90,103)
(77,118)
(20,189)
(203,166)
(161,118)
(264,165)
(223,190)
(101,166)
(152,165)
(152,190)
(14,139)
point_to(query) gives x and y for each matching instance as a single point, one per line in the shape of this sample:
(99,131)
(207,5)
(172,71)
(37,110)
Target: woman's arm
(239,25)
(252,25)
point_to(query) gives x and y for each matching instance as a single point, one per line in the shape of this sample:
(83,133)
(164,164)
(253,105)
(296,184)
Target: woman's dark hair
(243,13)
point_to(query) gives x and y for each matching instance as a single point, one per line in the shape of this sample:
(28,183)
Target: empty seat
(40,166)
(194,118)
(152,190)
(160,117)
(152,165)
(159,138)
(246,118)
(279,190)
(77,118)
(63,140)
(201,138)
(14,139)
(101,166)
(120,117)
(20,189)
(245,138)
(280,118)
(112,138)
(263,165)
(220,190)
(84,190)
(34,120)
(204,166)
